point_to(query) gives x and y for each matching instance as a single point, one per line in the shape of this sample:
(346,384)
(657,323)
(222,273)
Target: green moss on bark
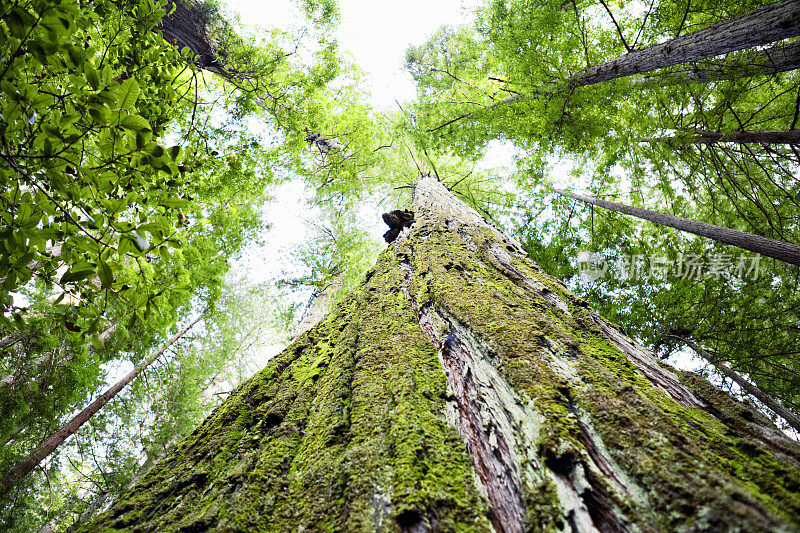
(353,427)
(688,468)
(342,431)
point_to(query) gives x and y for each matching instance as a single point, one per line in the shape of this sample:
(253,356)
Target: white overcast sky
(377,33)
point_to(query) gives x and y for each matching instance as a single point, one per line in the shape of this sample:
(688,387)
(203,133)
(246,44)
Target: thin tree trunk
(779,58)
(762,26)
(751,389)
(742,137)
(24,467)
(320,306)
(780,250)
(460,388)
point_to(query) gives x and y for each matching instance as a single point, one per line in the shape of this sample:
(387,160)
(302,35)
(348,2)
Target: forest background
(143,156)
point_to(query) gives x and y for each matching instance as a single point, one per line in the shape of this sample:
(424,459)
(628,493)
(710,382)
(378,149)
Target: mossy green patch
(346,429)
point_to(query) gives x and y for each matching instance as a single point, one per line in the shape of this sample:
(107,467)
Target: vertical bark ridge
(486,423)
(343,431)
(500,427)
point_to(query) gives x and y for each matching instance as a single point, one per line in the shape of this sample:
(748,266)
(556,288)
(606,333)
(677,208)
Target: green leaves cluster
(86,90)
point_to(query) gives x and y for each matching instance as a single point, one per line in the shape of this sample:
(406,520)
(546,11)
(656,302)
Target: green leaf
(156,150)
(100,113)
(135,123)
(173,202)
(76,275)
(105,274)
(96,342)
(128,93)
(92,76)
(19,21)
(174,152)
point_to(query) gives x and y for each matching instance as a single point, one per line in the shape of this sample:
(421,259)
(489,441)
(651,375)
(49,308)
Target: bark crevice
(486,438)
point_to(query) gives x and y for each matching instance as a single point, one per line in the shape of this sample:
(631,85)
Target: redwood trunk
(762,26)
(187,25)
(780,250)
(24,467)
(780,58)
(462,389)
(741,137)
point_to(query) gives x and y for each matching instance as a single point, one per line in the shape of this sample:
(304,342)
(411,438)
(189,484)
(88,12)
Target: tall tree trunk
(25,466)
(780,250)
(319,306)
(187,25)
(762,26)
(701,136)
(791,418)
(462,389)
(779,58)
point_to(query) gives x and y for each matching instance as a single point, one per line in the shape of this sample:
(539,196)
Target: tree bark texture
(779,58)
(26,465)
(186,25)
(762,26)
(762,137)
(740,137)
(462,389)
(780,250)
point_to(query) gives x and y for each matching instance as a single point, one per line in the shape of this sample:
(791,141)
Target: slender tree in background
(751,389)
(754,62)
(783,251)
(24,467)
(458,388)
(762,26)
(699,136)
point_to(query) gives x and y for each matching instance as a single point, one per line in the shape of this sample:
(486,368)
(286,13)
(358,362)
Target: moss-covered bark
(461,388)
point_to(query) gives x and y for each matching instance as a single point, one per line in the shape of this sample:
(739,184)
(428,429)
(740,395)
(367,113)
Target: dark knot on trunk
(397,220)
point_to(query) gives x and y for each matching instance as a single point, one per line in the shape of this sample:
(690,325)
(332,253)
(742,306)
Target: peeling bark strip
(648,365)
(481,420)
(780,250)
(765,25)
(460,388)
(501,428)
